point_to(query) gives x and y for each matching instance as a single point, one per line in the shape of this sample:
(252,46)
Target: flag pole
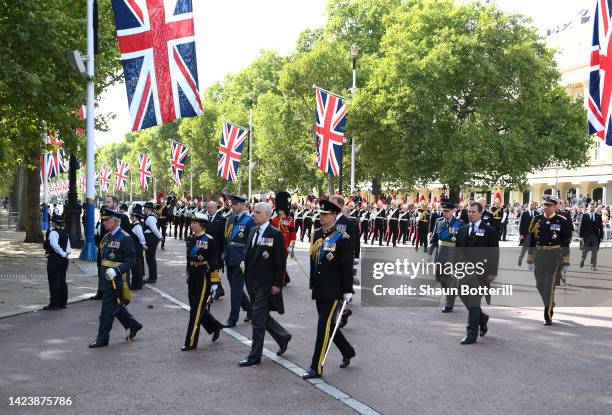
(90,252)
(45,219)
(250,152)
(131,186)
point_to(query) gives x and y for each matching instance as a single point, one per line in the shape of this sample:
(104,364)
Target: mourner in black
(264,264)
(549,255)
(591,232)
(331,263)
(216,229)
(524,222)
(152,236)
(140,245)
(477,243)
(203,277)
(57,249)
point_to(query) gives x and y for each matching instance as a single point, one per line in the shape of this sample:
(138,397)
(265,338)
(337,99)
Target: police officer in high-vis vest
(549,254)
(117,259)
(57,248)
(202,281)
(237,230)
(331,282)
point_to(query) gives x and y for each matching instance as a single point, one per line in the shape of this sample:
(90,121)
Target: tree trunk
(18,204)
(330,184)
(376,187)
(32,220)
(454,193)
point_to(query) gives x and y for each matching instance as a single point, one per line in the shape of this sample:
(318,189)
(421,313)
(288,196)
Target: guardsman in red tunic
(285,223)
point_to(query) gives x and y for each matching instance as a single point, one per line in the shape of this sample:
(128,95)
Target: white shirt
(152,224)
(137,229)
(54,242)
(475,225)
(262,229)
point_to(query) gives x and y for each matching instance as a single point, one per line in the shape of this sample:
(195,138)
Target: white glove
(347,297)
(242,267)
(356,261)
(430,259)
(530,267)
(289,250)
(110,274)
(213,289)
(564,270)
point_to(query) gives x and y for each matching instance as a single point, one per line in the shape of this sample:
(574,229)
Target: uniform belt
(449,244)
(547,247)
(392,218)
(110,264)
(198,263)
(236,244)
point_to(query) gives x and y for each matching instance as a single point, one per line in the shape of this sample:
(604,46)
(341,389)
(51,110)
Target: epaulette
(562,217)
(440,218)
(124,233)
(344,234)
(209,236)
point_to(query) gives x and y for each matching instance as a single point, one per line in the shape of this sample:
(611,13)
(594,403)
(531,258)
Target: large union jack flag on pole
(157,45)
(329,129)
(230,151)
(144,168)
(600,84)
(105,178)
(178,159)
(121,175)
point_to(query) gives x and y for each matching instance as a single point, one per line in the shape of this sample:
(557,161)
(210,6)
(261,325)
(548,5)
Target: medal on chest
(329,256)
(111,255)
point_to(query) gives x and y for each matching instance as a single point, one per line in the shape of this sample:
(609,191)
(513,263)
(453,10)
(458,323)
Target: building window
(597,150)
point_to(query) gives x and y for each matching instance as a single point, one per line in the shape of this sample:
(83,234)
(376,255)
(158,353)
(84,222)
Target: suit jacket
(481,246)
(216,229)
(525,221)
(264,265)
(590,228)
(345,224)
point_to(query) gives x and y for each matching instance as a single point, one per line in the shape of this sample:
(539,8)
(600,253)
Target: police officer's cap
(238,199)
(149,205)
(124,207)
(551,200)
(57,218)
(446,204)
(137,210)
(329,207)
(200,218)
(110,213)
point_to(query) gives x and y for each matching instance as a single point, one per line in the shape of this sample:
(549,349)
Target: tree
(465,95)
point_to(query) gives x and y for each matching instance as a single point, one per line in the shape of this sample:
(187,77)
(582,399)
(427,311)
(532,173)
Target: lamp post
(354,54)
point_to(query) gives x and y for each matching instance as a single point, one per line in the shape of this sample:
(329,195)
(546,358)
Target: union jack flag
(105,178)
(157,45)
(178,159)
(329,128)
(121,175)
(83,183)
(144,168)
(600,83)
(230,151)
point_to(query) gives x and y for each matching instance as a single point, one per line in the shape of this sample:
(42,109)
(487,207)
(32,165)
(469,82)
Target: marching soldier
(140,244)
(378,219)
(152,237)
(161,210)
(549,253)
(591,233)
(331,263)
(299,220)
(203,277)
(177,218)
(404,224)
(364,221)
(57,249)
(444,238)
(497,211)
(392,223)
(286,225)
(216,229)
(117,259)
(422,226)
(237,231)
(307,226)
(524,223)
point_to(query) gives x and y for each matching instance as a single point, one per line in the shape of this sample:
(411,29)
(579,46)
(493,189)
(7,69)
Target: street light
(354,54)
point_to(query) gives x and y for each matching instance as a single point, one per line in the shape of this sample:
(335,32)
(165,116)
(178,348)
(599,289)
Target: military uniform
(422,227)
(496,218)
(57,249)
(139,244)
(364,222)
(117,256)
(378,219)
(404,226)
(307,226)
(201,259)
(331,264)
(549,254)
(392,225)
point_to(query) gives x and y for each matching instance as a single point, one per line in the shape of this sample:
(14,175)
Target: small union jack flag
(230,151)
(83,183)
(329,128)
(105,178)
(600,84)
(144,168)
(121,175)
(157,45)
(178,159)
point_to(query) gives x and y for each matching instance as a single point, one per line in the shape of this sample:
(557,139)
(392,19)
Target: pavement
(408,358)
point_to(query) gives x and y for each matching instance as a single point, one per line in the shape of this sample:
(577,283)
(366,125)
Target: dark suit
(591,232)
(524,223)
(480,246)
(216,229)
(264,267)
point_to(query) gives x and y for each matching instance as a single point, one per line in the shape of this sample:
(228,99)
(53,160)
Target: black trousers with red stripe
(198,292)
(325,327)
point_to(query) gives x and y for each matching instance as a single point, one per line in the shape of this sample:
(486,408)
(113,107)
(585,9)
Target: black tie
(592,217)
(256,237)
(472,230)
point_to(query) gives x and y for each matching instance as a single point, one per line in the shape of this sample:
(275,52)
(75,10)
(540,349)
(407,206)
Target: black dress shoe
(133,331)
(347,361)
(447,310)
(215,335)
(187,348)
(548,322)
(310,374)
(520,262)
(96,344)
(283,346)
(582,263)
(229,325)
(249,361)
(344,318)
(483,326)
(62,306)
(50,307)
(468,340)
